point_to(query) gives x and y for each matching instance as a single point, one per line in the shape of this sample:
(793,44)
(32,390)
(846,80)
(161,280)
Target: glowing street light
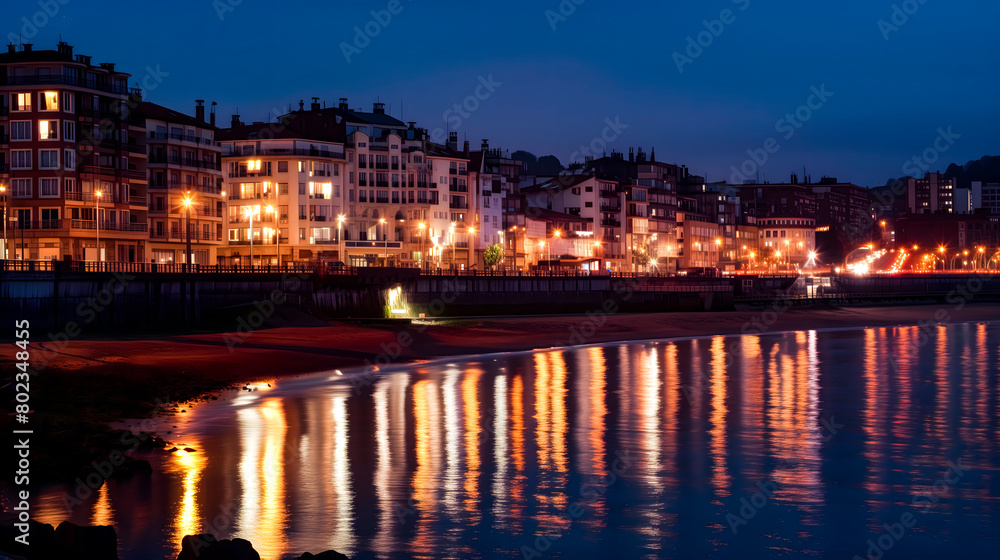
(277,231)
(451,239)
(3,193)
(249,212)
(97,222)
(421,226)
(340,237)
(186,203)
(385,244)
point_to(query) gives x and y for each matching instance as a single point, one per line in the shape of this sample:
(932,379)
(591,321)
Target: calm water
(783,445)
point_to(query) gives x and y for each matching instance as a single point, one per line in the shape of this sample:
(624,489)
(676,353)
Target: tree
(548,166)
(493,255)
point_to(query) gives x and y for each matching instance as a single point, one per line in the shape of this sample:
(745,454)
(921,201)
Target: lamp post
(249,212)
(340,238)
(385,244)
(97,222)
(472,246)
(597,247)
(277,232)
(451,239)
(3,193)
(187,255)
(421,227)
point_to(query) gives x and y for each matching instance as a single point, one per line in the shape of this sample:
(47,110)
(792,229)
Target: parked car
(335,265)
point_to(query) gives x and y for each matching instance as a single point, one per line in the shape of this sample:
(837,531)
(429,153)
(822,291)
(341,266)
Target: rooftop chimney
(211,116)
(11,48)
(199,109)
(236,121)
(26,47)
(466,150)
(378,108)
(453,140)
(486,144)
(343,104)
(631,155)
(302,104)
(65,49)
(411,124)
(109,66)
(315,104)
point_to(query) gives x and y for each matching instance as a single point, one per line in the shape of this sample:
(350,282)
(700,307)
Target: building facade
(72,158)
(933,194)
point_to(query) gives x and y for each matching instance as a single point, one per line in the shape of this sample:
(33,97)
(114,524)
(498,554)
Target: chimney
(652,154)
(343,104)
(26,47)
(211,117)
(65,49)
(453,140)
(631,155)
(411,124)
(11,48)
(236,121)
(302,104)
(378,108)
(466,148)
(486,144)
(109,66)
(315,104)
(199,109)
(136,95)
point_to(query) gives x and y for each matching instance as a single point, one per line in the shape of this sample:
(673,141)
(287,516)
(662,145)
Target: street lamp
(3,193)
(97,222)
(451,239)
(472,246)
(249,212)
(187,255)
(385,244)
(597,245)
(277,232)
(422,227)
(340,238)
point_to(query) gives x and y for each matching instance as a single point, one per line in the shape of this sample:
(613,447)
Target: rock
(98,542)
(328,555)
(205,547)
(43,542)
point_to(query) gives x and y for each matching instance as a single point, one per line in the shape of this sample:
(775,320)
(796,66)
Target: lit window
(20,102)
(48,130)
(49,100)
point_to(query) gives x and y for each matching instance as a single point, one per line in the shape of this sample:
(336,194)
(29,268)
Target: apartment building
(933,194)
(792,239)
(186,202)
(72,157)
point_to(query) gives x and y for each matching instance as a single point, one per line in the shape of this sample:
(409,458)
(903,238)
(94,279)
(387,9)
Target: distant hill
(987,168)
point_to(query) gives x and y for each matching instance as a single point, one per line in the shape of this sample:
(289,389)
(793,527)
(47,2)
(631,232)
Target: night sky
(561,70)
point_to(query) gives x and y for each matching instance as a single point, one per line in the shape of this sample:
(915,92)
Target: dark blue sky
(560,76)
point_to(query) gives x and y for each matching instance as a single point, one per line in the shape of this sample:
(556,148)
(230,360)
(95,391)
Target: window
(282,167)
(486,202)
(48,101)
(21,188)
(282,187)
(48,130)
(48,159)
(20,102)
(20,159)
(20,130)
(50,217)
(48,188)
(302,188)
(68,105)
(588,204)
(69,157)
(69,131)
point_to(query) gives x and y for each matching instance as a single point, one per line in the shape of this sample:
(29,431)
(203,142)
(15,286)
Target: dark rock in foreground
(328,555)
(67,541)
(205,547)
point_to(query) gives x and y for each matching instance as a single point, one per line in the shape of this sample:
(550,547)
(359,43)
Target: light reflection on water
(525,451)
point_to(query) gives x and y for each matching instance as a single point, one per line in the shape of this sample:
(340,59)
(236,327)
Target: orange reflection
(550,414)
(104,513)
(874,435)
(262,516)
(187,517)
(517,453)
(717,433)
(427,426)
(470,407)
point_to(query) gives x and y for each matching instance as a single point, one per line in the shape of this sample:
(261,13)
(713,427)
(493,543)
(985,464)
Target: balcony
(184,162)
(611,223)
(163,136)
(79,81)
(106,170)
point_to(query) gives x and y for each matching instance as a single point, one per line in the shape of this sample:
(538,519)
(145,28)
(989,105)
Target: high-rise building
(933,194)
(72,157)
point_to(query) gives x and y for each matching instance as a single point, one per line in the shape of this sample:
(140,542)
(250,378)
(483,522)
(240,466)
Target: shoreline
(91,384)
